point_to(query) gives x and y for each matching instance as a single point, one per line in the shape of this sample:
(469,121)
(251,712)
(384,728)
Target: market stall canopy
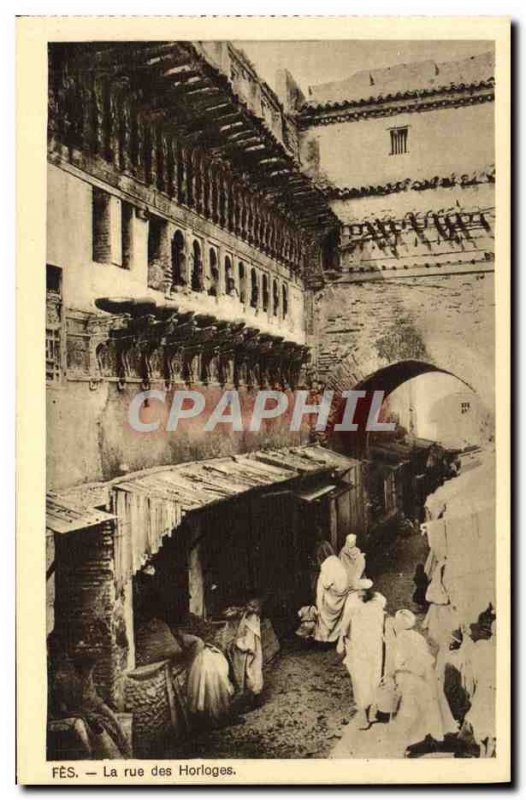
(150,504)
(472,491)
(462,523)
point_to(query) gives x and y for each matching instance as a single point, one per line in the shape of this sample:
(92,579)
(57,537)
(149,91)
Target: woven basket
(146,697)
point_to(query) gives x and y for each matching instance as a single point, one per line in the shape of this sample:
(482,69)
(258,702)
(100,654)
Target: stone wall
(358,153)
(415,275)
(86,608)
(90,439)
(440,141)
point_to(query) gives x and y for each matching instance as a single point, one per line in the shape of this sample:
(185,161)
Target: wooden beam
(202,90)
(231,125)
(217,106)
(183,69)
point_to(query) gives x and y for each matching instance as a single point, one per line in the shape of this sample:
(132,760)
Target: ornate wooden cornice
(417,245)
(480,263)
(164,114)
(427,227)
(146,343)
(432,99)
(412,184)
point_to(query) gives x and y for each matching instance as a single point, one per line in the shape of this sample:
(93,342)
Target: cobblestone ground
(307,700)
(392,566)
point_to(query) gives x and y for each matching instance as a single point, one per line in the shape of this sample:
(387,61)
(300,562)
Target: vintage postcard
(263,400)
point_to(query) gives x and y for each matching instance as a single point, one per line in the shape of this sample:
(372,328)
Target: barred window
(398,141)
(53,323)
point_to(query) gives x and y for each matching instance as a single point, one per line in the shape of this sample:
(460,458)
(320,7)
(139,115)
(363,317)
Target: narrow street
(307,700)
(306,703)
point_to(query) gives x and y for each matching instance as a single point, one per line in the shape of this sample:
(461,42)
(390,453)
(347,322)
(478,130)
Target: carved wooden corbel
(242,356)
(266,342)
(193,348)
(226,356)
(179,330)
(209,356)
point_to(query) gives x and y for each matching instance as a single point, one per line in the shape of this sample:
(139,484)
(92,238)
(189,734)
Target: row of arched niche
(236,279)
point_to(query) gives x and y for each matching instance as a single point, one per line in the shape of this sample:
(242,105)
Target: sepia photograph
(270,368)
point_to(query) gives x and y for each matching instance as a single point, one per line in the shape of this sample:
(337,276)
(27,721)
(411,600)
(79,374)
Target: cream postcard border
(33,34)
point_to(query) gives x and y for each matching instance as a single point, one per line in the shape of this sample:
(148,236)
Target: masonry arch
(392,376)
(386,379)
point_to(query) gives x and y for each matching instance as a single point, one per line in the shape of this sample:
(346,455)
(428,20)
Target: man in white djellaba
(331,591)
(422,712)
(361,643)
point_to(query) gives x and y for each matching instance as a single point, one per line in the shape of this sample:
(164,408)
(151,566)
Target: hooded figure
(420,713)
(331,590)
(361,643)
(76,695)
(353,560)
(247,653)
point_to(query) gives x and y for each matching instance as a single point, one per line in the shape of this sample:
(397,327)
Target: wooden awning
(149,505)
(63,516)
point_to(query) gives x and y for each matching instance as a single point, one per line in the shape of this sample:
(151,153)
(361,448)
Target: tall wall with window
(403,152)
(406,156)
(383,149)
(417,179)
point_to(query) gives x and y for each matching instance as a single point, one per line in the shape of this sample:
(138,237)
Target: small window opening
(214,273)
(285,300)
(197,268)
(275,298)
(398,141)
(265,293)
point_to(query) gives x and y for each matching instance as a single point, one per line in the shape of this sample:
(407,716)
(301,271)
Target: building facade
(181,236)
(405,156)
(203,235)
(164,185)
